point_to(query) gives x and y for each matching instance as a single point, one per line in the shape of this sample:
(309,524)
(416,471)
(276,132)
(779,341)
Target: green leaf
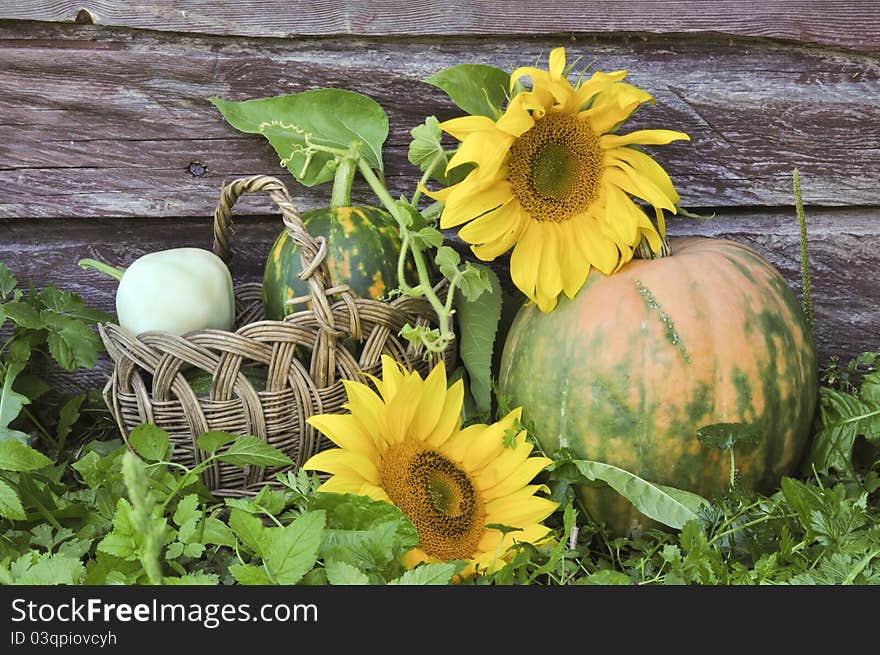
(68,416)
(478,89)
(22,314)
(429,574)
(723,436)
(218,533)
(477,327)
(72,343)
(150,442)
(606,577)
(7,280)
(10,503)
(121,541)
(343,573)
(211,442)
(15,456)
(249,450)
(248,528)
(70,304)
(653,500)
(842,418)
(248,574)
(292,551)
(43,569)
(474,281)
(98,471)
(200,579)
(371,535)
(187,510)
(270,500)
(333,118)
(425,147)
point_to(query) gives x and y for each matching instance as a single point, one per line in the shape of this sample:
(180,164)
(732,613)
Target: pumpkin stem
(644,251)
(341,194)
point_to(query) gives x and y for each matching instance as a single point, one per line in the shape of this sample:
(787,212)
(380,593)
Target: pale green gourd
(177,290)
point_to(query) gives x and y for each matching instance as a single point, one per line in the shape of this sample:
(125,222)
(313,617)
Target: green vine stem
(424,287)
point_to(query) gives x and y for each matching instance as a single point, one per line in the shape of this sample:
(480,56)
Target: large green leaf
(333,118)
(150,441)
(477,327)
(478,89)
(843,418)
(666,505)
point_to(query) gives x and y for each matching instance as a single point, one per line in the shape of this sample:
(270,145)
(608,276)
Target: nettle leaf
(430,574)
(292,551)
(249,450)
(477,327)
(218,533)
(723,436)
(333,118)
(478,89)
(343,573)
(10,503)
(666,505)
(150,442)
(15,456)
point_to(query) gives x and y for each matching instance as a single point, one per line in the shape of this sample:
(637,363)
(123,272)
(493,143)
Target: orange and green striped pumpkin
(628,371)
(363,246)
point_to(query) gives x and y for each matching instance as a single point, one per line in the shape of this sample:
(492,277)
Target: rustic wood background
(109,148)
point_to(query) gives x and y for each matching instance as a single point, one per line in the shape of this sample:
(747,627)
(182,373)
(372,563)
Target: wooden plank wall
(109,148)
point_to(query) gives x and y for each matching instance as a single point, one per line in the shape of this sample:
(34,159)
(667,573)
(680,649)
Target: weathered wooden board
(849,23)
(843,252)
(115,122)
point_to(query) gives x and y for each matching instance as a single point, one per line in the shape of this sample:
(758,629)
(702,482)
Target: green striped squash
(363,248)
(639,361)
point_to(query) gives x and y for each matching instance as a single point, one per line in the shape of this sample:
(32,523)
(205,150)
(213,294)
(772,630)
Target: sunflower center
(555,168)
(437,496)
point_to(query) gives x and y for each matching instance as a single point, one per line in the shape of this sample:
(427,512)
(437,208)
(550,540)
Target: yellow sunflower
(553,182)
(405,445)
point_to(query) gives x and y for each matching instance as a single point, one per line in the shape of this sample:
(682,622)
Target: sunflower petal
(549,275)
(345,431)
(574,266)
(429,410)
(473,203)
(643,137)
(450,417)
(463,126)
(345,463)
(526,258)
(646,166)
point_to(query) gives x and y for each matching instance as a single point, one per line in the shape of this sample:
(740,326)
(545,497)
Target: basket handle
(313,250)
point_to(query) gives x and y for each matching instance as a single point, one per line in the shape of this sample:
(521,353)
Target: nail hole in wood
(197,168)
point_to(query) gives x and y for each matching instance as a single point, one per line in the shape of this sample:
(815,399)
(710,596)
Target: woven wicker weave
(147,384)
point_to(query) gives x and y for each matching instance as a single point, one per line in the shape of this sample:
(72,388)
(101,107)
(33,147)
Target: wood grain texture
(843,253)
(850,23)
(98,122)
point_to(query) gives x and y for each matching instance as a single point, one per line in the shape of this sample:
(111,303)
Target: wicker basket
(148,385)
